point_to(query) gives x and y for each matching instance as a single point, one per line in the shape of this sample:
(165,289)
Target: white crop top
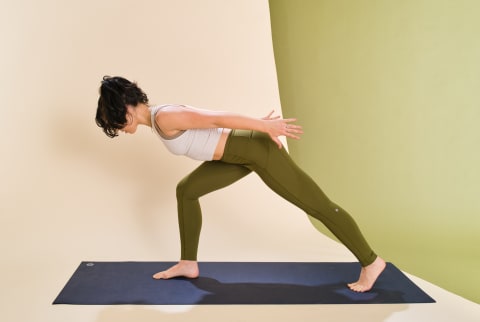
(198,144)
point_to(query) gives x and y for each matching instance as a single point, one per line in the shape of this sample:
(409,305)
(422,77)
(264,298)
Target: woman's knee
(184,189)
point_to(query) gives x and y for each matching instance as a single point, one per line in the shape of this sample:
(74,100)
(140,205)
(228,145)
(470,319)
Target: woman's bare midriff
(218,154)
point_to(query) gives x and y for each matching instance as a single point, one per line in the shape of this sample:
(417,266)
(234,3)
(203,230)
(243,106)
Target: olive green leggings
(248,151)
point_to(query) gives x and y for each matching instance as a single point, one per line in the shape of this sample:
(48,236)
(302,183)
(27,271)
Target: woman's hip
(248,148)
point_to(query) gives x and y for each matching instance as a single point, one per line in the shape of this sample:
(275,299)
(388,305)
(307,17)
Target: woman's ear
(130,114)
(129,118)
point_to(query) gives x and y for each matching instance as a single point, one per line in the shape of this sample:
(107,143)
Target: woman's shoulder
(166,118)
(173,107)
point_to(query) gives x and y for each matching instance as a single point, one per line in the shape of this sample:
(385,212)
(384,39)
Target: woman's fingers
(278,142)
(269,116)
(291,130)
(283,127)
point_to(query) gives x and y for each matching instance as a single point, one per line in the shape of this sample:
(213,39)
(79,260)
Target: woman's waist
(219,150)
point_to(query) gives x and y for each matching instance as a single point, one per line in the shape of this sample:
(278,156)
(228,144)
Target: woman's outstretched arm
(176,118)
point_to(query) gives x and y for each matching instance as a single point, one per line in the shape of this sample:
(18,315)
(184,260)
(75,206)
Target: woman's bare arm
(177,118)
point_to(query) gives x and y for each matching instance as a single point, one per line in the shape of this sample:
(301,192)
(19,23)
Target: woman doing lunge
(230,146)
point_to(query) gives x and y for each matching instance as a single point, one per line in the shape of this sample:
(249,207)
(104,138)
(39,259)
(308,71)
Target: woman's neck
(143,115)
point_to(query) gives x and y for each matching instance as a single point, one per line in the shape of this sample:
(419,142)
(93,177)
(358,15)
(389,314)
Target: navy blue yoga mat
(234,283)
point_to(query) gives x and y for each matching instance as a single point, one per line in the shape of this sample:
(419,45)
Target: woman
(231,147)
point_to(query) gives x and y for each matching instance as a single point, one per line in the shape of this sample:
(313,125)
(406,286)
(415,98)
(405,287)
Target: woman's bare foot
(368,276)
(184,268)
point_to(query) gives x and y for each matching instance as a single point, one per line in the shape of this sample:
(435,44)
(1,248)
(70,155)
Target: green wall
(388,94)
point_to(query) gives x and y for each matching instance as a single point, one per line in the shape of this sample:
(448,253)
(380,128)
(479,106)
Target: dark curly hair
(115,94)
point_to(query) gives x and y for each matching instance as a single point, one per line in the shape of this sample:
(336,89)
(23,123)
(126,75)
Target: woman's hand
(275,126)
